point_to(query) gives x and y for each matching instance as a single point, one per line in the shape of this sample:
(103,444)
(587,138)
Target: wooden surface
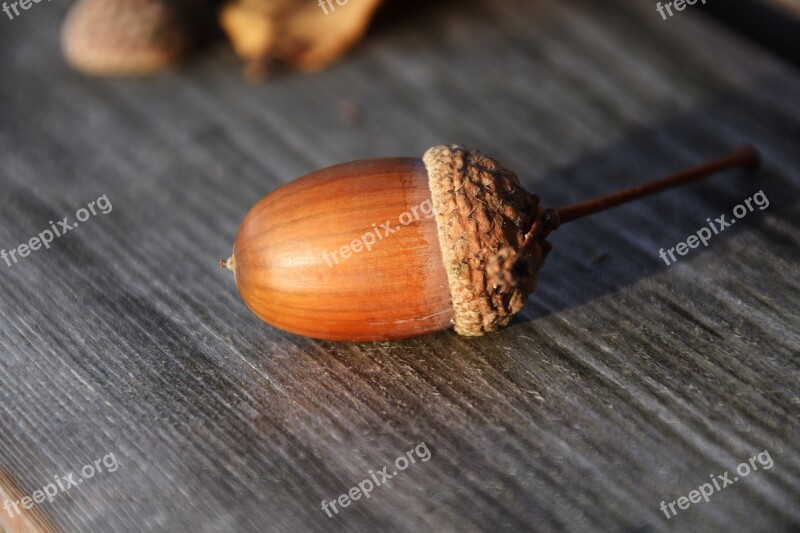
(789,5)
(773,24)
(623,383)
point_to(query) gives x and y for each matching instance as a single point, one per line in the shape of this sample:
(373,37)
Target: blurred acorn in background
(140,37)
(132,37)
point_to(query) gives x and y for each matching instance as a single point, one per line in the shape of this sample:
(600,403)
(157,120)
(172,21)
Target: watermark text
(679,5)
(366,486)
(56,230)
(377,233)
(61,484)
(719,225)
(706,490)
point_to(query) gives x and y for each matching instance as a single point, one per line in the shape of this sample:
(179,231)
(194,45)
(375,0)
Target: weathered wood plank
(625,382)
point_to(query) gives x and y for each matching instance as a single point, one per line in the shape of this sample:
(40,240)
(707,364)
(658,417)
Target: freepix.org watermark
(679,5)
(328,5)
(23,4)
(719,225)
(366,486)
(718,482)
(378,233)
(101,206)
(61,484)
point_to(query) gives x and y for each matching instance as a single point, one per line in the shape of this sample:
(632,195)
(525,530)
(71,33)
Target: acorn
(391,248)
(141,37)
(132,37)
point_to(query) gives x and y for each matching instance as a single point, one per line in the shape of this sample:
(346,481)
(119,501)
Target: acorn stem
(227,263)
(746,156)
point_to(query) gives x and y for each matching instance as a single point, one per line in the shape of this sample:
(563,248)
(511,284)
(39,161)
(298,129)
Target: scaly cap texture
(483,216)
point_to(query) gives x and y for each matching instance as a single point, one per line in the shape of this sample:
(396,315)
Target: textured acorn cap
(483,216)
(129,37)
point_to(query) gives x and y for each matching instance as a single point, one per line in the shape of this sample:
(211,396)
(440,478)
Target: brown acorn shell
(287,274)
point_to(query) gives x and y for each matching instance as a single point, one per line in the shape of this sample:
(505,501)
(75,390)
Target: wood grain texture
(623,383)
(25,518)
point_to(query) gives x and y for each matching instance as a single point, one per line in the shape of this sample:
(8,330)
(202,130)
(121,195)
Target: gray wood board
(623,383)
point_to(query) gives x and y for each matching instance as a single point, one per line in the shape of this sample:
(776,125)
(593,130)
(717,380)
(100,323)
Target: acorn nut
(390,248)
(131,37)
